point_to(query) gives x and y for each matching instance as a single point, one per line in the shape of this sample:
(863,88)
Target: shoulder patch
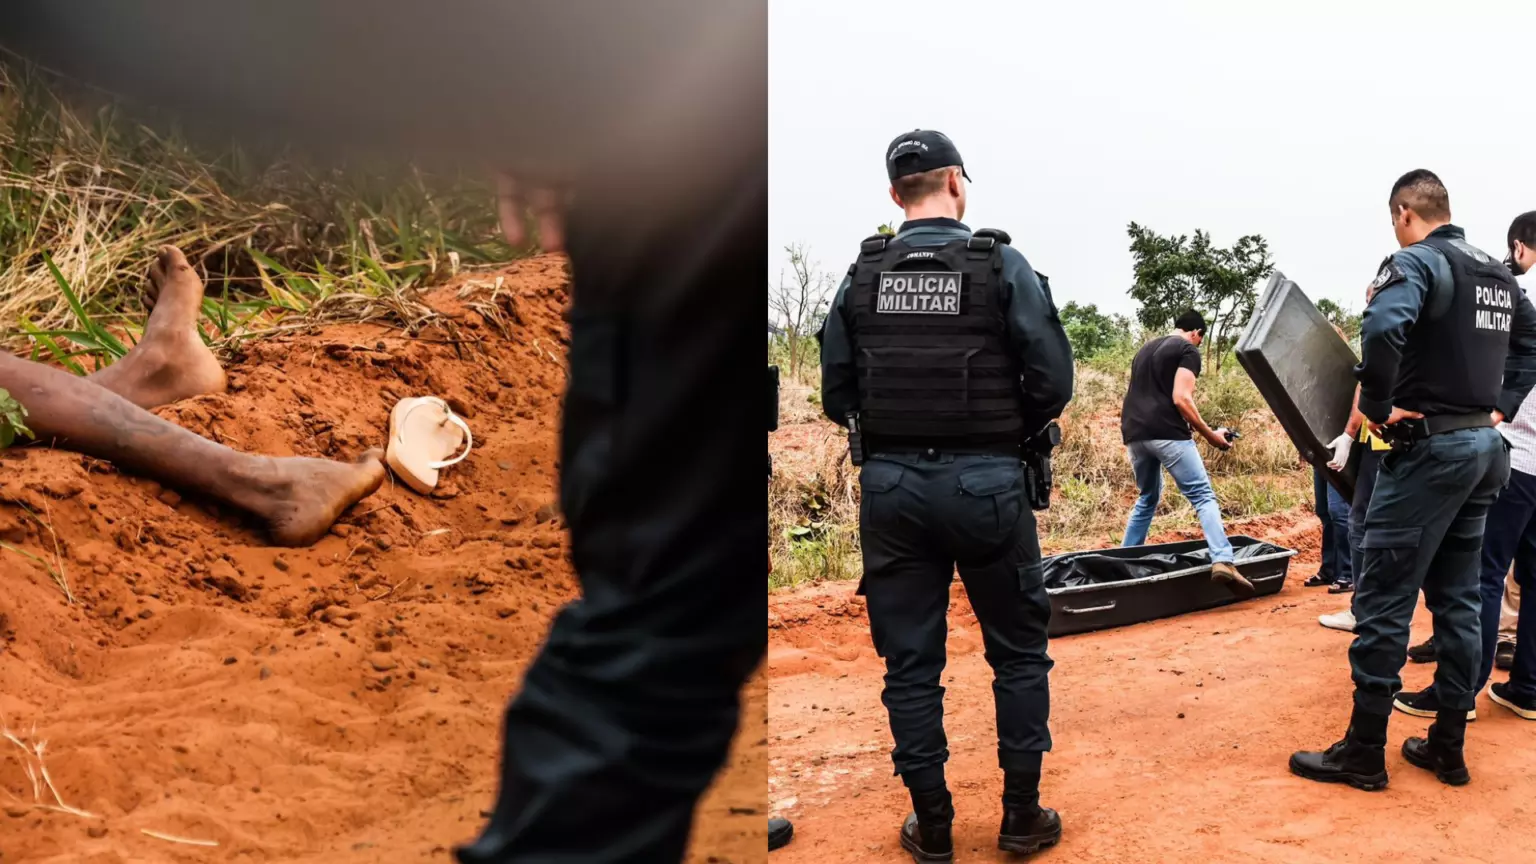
(1389,274)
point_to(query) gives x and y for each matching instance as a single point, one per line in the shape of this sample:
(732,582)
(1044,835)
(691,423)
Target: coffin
(1114,587)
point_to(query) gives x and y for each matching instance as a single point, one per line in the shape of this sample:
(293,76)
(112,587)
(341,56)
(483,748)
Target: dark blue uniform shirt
(1035,334)
(1392,312)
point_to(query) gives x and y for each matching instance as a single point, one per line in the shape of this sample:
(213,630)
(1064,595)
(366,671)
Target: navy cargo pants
(918,519)
(1424,529)
(629,709)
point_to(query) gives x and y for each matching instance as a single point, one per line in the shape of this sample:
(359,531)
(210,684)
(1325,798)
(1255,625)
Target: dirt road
(1171,741)
(337,704)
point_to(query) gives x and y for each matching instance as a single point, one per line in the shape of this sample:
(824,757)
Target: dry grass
(87,197)
(813,496)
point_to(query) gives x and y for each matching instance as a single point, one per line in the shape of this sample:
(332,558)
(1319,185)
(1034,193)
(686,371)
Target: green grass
(13,420)
(87,197)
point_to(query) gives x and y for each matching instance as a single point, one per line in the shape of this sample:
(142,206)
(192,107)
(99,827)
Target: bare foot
(305,497)
(171,362)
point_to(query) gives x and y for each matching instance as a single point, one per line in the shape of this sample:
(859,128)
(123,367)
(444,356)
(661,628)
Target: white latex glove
(1340,447)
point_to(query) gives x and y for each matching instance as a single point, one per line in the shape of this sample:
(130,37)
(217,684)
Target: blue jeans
(1341,553)
(1182,460)
(1510,536)
(1322,504)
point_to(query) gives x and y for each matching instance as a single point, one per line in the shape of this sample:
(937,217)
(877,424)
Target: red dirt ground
(1171,741)
(334,704)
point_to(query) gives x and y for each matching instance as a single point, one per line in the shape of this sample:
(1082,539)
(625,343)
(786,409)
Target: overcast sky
(1289,120)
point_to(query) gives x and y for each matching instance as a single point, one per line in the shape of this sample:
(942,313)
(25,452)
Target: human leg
(1188,472)
(629,709)
(1148,472)
(170,362)
(1338,516)
(297,499)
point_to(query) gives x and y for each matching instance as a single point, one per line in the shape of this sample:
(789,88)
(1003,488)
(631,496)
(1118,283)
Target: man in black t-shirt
(1155,423)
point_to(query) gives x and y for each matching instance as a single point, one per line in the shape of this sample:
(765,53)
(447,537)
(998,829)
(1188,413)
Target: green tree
(1091,331)
(1340,317)
(1178,273)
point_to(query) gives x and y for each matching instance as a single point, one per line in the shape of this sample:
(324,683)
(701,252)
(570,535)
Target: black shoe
(1360,760)
(1025,832)
(1341,588)
(926,833)
(1318,580)
(927,844)
(1523,706)
(1425,703)
(1424,652)
(1504,656)
(1441,752)
(780,832)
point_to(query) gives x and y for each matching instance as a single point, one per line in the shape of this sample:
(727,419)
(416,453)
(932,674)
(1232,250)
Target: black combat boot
(1027,827)
(1441,751)
(1359,760)
(780,832)
(926,831)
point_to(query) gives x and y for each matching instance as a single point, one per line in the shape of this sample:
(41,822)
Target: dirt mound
(338,703)
(1171,739)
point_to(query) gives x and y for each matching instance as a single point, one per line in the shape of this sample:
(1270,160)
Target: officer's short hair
(1190,322)
(1523,229)
(1423,193)
(915,187)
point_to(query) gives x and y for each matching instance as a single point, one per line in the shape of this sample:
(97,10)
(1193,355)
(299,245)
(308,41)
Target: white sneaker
(1338,621)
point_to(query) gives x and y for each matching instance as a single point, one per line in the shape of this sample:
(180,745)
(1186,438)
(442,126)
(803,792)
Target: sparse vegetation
(13,420)
(813,496)
(87,197)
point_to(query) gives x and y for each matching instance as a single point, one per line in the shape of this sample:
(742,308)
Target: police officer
(944,352)
(1448,350)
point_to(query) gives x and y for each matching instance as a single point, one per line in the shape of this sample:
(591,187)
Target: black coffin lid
(1084,608)
(1304,371)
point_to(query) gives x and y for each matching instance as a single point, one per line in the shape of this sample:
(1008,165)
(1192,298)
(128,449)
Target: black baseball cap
(921,150)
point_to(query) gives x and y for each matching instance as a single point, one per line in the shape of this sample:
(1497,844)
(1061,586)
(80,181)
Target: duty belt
(935,453)
(1405,433)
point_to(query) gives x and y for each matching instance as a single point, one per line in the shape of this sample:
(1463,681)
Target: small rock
(424,663)
(546,513)
(383,646)
(511,519)
(383,543)
(460,407)
(505,612)
(96,832)
(1181,715)
(341,530)
(230,661)
(265,673)
(381,662)
(169,498)
(16,811)
(505,466)
(146,614)
(280,565)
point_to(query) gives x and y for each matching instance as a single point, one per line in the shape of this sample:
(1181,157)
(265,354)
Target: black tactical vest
(1453,362)
(930,345)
